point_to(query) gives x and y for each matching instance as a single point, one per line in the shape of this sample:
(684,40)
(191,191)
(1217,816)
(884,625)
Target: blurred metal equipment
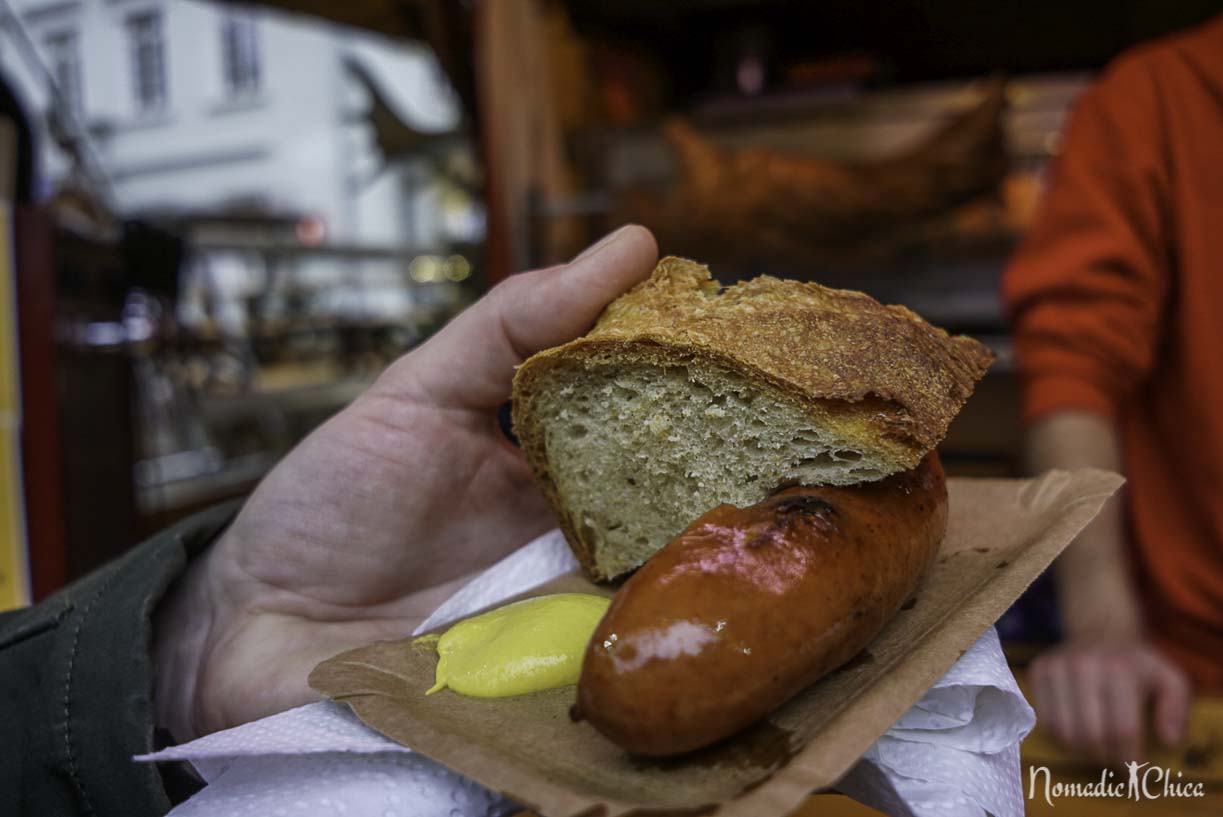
(200,402)
(235,377)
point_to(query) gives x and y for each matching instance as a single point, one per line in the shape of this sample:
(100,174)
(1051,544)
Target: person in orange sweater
(1116,301)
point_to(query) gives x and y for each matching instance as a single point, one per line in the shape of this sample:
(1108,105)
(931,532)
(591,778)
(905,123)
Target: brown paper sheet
(1001,534)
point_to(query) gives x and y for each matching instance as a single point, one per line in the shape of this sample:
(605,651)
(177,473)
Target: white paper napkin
(956,751)
(954,754)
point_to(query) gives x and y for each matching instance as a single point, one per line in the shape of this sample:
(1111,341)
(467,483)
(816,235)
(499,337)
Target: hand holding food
(379,514)
(762,457)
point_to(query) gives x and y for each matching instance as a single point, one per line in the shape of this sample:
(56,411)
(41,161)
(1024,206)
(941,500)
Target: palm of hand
(355,537)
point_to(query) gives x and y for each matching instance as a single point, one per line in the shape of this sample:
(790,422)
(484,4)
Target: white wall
(290,148)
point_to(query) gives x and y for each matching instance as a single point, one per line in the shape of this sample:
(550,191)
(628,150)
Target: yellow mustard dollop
(527,646)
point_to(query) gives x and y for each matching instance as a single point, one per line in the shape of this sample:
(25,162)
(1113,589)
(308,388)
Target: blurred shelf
(234,478)
(309,380)
(275,416)
(356,251)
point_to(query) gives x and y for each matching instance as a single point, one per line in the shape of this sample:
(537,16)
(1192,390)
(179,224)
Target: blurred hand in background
(1094,697)
(1094,690)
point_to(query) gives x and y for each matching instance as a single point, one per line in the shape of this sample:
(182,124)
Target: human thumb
(470,363)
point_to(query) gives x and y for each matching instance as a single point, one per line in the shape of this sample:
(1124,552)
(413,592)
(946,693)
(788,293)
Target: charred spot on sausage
(806,505)
(784,485)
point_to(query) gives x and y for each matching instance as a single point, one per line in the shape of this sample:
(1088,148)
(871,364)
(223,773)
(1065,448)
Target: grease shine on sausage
(748,606)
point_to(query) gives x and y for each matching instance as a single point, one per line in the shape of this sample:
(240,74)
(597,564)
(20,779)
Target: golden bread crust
(830,352)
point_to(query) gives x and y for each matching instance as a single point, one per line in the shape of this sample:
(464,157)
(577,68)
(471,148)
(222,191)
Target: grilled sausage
(748,606)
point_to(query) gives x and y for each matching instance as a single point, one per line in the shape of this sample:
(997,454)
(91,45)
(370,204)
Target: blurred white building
(198,107)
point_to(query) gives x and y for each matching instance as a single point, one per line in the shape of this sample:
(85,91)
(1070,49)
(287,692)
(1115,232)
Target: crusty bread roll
(683,397)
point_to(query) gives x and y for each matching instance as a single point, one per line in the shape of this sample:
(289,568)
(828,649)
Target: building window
(64,62)
(148,61)
(239,55)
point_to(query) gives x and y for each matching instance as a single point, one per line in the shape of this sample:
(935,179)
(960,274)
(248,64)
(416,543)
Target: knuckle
(1047,665)
(1070,738)
(1082,665)
(507,287)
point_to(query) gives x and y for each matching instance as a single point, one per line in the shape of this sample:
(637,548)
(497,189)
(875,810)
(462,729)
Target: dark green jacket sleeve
(76,684)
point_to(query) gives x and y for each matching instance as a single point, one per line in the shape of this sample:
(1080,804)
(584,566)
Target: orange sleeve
(1087,289)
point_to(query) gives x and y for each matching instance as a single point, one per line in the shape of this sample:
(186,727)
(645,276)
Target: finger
(1046,674)
(1043,696)
(1087,696)
(1124,713)
(1061,694)
(1172,697)
(1042,701)
(470,363)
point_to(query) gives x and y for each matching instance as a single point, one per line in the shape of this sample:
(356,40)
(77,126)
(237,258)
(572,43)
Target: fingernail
(603,242)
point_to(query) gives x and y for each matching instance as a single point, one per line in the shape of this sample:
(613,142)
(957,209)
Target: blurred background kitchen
(235,218)
(223,220)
